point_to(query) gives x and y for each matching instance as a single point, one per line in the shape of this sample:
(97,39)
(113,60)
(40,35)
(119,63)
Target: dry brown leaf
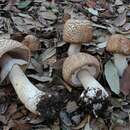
(118,2)
(17,125)
(121,127)
(98,124)
(125,82)
(36,66)
(32,42)
(11,110)
(126,26)
(82,124)
(21,125)
(120,20)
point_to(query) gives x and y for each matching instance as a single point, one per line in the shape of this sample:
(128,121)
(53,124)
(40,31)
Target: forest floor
(45,20)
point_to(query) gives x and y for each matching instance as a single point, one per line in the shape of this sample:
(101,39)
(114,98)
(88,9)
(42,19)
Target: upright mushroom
(82,69)
(119,45)
(77,32)
(14,56)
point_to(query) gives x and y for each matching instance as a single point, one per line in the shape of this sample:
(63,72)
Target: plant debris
(39,25)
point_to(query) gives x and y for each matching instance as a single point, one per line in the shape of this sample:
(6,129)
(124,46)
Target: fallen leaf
(47,54)
(40,78)
(125,81)
(17,125)
(82,124)
(118,2)
(21,125)
(65,118)
(126,26)
(121,127)
(71,106)
(48,15)
(112,77)
(120,20)
(98,124)
(91,3)
(116,103)
(36,66)
(23,4)
(121,9)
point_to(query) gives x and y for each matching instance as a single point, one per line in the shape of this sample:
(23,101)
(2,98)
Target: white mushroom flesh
(91,84)
(75,80)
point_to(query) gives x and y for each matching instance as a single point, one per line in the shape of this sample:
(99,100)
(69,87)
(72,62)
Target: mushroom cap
(15,49)
(118,44)
(74,63)
(31,42)
(77,31)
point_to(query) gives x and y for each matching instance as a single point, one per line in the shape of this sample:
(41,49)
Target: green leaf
(112,77)
(23,4)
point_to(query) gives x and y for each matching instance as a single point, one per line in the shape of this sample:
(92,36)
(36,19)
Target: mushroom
(77,32)
(120,46)
(14,57)
(82,69)
(32,42)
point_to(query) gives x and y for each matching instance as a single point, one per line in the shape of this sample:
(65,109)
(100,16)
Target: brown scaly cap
(77,31)
(14,49)
(32,42)
(74,63)
(118,44)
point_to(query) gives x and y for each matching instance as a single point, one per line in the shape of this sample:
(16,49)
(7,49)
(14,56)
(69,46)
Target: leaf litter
(44,20)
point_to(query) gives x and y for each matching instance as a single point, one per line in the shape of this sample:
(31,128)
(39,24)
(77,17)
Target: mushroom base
(94,104)
(94,94)
(50,105)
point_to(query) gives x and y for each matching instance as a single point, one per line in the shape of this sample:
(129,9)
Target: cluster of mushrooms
(82,69)
(79,69)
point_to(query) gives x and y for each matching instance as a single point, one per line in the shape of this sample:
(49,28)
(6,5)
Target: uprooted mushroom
(14,57)
(82,69)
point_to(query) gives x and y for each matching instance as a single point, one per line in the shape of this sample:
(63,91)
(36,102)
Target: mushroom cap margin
(15,49)
(74,63)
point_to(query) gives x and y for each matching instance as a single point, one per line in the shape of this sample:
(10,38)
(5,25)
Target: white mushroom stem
(120,63)
(74,48)
(28,94)
(91,85)
(26,91)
